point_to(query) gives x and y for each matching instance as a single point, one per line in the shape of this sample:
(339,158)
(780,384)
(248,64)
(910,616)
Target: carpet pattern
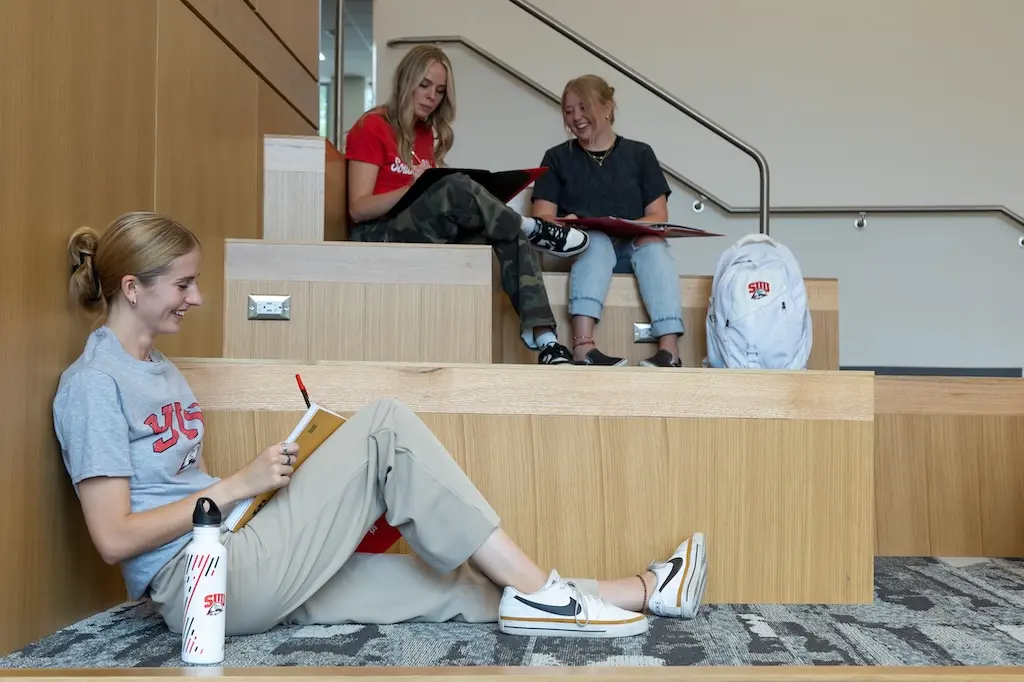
(925,612)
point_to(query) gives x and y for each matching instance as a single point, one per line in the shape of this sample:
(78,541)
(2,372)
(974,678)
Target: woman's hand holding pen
(418,170)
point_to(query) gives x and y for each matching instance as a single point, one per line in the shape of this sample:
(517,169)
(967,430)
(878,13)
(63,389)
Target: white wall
(354,101)
(853,103)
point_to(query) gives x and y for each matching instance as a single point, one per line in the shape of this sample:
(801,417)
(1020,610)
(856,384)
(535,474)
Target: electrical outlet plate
(269,307)
(642,333)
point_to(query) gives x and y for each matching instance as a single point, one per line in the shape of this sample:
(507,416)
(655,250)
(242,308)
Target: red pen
(302,387)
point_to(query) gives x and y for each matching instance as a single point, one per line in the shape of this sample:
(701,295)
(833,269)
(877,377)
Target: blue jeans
(656,276)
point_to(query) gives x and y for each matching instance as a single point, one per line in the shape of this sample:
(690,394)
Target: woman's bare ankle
(581,345)
(670,342)
(631,593)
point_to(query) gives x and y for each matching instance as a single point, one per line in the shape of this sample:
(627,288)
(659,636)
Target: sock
(529,225)
(546,338)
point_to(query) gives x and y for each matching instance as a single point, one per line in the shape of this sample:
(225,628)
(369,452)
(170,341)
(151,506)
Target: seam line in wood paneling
(284,44)
(248,62)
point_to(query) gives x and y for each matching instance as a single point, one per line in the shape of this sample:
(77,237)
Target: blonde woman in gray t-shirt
(131,433)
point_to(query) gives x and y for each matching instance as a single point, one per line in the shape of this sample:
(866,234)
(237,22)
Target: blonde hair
(400,110)
(143,244)
(592,90)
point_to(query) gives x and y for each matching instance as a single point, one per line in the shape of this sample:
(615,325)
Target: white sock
(546,338)
(529,225)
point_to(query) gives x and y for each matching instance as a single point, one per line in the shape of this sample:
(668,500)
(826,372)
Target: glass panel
(358,93)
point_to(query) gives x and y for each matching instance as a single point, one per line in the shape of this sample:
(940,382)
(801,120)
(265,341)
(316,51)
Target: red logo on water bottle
(214,604)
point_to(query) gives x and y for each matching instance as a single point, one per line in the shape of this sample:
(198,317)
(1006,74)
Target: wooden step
(596,472)
(623,308)
(360,301)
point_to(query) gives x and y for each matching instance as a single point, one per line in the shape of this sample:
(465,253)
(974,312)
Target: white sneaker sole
(564,254)
(530,627)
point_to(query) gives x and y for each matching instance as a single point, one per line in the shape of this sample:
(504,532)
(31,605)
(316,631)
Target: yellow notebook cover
(316,426)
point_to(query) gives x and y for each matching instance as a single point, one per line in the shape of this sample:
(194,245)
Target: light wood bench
(949,466)
(623,307)
(601,472)
(361,301)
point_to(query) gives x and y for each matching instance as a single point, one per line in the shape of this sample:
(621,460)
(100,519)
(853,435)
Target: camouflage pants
(457,210)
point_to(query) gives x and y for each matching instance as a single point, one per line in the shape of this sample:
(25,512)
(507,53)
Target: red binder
(621,227)
(379,538)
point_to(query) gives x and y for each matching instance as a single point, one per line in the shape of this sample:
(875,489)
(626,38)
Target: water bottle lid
(206,513)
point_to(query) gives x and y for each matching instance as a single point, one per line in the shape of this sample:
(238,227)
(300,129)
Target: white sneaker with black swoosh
(681,580)
(562,609)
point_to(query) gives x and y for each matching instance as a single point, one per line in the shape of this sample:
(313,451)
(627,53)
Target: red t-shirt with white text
(371,140)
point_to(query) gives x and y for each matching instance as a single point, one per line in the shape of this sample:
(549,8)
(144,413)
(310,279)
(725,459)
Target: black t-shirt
(622,187)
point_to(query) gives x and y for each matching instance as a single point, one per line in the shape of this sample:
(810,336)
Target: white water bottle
(206,580)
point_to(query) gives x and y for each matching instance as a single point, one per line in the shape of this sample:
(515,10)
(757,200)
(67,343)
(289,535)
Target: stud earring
(133,302)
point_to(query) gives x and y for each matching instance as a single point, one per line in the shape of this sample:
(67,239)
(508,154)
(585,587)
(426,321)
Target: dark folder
(504,185)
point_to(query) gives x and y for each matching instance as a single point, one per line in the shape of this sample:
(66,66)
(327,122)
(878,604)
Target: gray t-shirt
(118,416)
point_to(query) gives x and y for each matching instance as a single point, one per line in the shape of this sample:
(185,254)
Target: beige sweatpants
(294,562)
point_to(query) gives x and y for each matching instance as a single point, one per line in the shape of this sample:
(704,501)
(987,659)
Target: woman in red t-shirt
(389,148)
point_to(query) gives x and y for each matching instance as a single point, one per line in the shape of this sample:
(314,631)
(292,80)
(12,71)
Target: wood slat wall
(98,120)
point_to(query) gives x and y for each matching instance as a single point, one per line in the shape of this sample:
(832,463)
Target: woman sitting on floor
(131,435)
(600,174)
(388,149)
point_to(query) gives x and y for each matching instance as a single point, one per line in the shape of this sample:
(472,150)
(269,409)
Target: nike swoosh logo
(677,565)
(570,609)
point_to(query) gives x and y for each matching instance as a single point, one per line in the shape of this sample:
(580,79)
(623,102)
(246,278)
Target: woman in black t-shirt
(601,174)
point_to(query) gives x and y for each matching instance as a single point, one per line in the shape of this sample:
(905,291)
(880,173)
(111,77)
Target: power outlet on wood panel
(269,307)
(642,333)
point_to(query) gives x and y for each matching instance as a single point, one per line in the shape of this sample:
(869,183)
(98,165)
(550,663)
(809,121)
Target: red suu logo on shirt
(172,423)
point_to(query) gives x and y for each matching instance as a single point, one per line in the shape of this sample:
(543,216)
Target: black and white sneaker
(558,240)
(562,609)
(681,580)
(554,354)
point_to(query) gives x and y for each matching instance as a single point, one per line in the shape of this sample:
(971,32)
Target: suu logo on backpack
(758,316)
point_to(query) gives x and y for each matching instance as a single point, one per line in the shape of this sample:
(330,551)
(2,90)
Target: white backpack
(757,316)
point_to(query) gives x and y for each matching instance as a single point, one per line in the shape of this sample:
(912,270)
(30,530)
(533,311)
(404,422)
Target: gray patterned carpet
(926,612)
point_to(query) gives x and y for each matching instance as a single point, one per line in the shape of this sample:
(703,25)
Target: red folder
(379,538)
(621,227)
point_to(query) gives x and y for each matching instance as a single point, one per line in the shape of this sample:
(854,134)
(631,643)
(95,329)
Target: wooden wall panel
(92,126)
(76,134)
(297,25)
(949,466)
(240,27)
(205,155)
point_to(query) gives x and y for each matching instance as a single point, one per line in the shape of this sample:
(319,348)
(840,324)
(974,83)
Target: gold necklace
(599,157)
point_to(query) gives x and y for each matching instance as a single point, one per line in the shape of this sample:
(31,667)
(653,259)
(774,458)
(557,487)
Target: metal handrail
(665,96)
(548,94)
(687,182)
